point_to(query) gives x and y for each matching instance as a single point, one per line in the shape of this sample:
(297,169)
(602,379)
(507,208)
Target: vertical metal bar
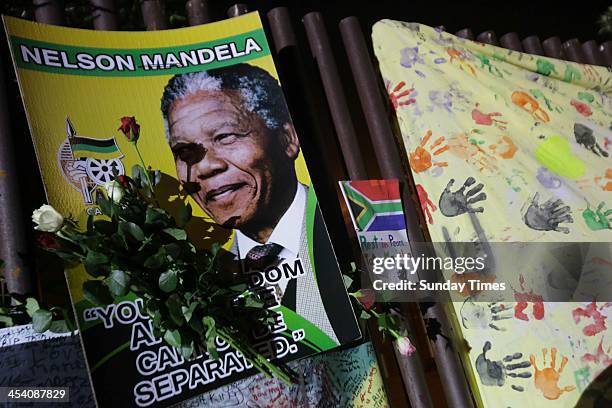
(532,45)
(449,366)
(380,132)
(336,98)
(573,51)
(237,9)
(511,41)
(465,33)
(592,53)
(12,231)
(105,15)
(487,37)
(198,12)
(49,11)
(154,14)
(606,51)
(553,48)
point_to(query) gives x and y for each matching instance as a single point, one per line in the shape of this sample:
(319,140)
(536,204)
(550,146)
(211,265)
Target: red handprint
(599,357)
(400,93)
(488,119)
(523,299)
(591,311)
(426,203)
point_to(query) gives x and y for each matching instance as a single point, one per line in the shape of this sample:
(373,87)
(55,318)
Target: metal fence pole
(449,366)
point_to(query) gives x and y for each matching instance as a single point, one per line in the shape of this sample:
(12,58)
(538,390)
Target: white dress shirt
(286,233)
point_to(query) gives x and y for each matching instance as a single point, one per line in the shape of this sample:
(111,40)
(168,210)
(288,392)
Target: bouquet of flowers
(136,246)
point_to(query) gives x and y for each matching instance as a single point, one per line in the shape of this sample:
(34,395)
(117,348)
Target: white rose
(47,219)
(114,190)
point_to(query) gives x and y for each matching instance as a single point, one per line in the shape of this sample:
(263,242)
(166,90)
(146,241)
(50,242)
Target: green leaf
(133,230)
(41,320)
(173,250)
(97,293)
(32,306)
(96,263)
(7,321)
(157,260)
(168,280)
(118,283)
(364,315)
(214,248)
(105,227)
(173,338)
(188,311)
(174,304)
(177,233)
(156,216)
(347,281)
(210,335)
(59,326)
(184,214)
(106,206)
(186,350)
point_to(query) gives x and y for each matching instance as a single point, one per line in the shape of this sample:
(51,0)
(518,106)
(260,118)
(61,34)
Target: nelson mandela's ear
(290,141)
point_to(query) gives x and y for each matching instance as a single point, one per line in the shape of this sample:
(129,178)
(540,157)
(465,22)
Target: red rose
(367,298)
(46,240)
(130,128)
(124,181)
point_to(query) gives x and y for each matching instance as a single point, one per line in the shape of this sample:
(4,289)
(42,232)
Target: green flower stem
(255,358)
(144,166)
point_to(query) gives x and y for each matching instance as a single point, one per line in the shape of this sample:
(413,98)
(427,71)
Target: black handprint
(494,373)
(585,137)
(457,203)
(481,315)
(547,216)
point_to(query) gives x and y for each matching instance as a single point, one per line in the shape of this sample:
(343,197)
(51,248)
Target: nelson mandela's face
(231,162)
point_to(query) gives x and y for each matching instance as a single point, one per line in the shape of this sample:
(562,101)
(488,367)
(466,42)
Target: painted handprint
(426,203)
(524,101)
(585,137)
(605,181)
(598,219)
(591,312)
(461,58)
(547,379)
(488,119)
(420,159)
(495,373)
(399,96)
(504,148)
(547,216)
(483,315)
(599,357)
(460,202)
(525,298)
(463,147)
(548,179)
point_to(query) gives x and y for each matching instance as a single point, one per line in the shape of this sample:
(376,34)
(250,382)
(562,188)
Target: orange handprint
(420,159)
(400,93)
(524,101)
(547,379)
(605,182)
(509,149)
(463,148)
(456,55)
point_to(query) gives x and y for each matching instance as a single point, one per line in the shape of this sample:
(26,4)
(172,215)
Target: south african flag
(95,148)
(375,205)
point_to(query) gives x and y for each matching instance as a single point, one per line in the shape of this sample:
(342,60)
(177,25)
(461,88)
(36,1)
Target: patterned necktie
(262,256)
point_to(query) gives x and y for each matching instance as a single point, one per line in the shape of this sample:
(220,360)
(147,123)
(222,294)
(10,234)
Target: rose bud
(366,297)
(114,190)
(46,240)
(130,128)
(124,181)
(404,346)
(47,219)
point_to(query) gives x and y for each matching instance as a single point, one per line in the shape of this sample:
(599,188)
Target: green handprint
(598,219)
(572,73)
(545,67)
